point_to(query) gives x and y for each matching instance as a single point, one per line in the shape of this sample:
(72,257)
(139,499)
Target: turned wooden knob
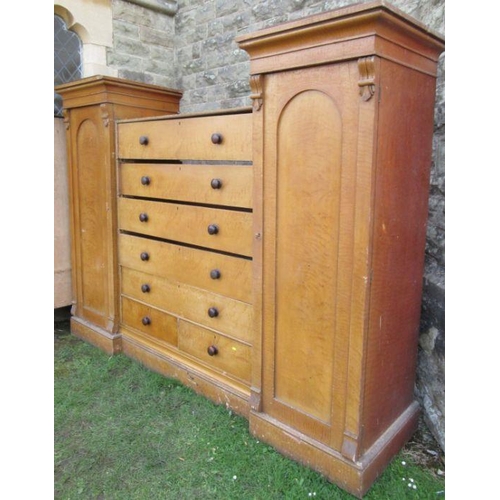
(216,183)
(143,217)
(145,288)
(143,140)
(144,256)
(145,180)
(215,274)
(213,312)
(146,321)
(217,138)
(212,350)
(213,229)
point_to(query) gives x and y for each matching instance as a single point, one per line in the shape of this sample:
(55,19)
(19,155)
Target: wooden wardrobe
(91,107)
(343,126)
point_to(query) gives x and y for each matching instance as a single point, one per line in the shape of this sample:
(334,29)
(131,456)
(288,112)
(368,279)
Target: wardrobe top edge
(356,12)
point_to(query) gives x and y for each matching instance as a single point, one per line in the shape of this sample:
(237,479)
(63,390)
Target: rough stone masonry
(194,50)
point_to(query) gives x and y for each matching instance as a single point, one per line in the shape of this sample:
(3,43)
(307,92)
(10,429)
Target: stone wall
(194,50)
(143,44)
(431,364)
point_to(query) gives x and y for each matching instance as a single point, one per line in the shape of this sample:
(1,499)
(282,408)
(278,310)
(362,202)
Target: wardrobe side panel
(405,126)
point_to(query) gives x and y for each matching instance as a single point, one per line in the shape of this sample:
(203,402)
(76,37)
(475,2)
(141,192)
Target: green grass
(124,432)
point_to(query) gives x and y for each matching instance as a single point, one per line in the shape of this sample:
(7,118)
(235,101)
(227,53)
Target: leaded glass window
(67,59)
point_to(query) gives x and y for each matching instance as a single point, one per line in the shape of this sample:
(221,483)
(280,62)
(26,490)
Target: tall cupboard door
(311,121)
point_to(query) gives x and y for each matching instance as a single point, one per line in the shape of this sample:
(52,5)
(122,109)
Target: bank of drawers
(185,237)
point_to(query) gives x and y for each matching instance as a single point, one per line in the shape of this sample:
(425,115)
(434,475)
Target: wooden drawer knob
(213,229)
(143,217)
(146,321)
(216,183)
(144,256)
(145,288)
(217,138)
(212,350)
(145,180)
(215,274)
(143,140)
(213,312)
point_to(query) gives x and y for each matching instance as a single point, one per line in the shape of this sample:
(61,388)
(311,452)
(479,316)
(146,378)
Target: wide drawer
(232,317)
(219,229)
(228,185)
(217,351)
(149,320)
(222,274)
(214,137)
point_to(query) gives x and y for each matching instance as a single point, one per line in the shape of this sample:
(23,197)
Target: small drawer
(232,317)
(213,137)
(225,230)
(149,320)
(222,274)
(225,185)
(215,350)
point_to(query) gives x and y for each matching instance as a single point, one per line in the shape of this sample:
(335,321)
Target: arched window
(67,58)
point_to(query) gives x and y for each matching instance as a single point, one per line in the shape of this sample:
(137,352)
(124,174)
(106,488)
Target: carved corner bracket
(104,114)
(366,83)
(66,121)
(256,95)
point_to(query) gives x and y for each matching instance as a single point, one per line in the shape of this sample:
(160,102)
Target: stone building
(189,45)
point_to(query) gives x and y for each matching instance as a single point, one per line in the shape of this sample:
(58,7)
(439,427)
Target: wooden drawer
(188,224)
(228,355)
(149,320)
(228,185)
(232,317)
(188,265)
(187,138)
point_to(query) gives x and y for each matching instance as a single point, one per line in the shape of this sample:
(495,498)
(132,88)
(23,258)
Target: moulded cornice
(105,89)
(361,30)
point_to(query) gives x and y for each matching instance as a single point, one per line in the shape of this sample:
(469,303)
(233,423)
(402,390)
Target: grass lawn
(124,432)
